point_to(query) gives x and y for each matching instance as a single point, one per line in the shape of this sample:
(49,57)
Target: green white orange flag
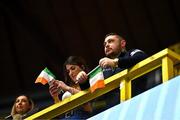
(96,79)
(45,76)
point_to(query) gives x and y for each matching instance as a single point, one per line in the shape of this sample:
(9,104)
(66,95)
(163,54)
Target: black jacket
(127,59)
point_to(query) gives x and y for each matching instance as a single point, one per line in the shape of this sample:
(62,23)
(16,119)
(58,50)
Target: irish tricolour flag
(96,79)
(45,77)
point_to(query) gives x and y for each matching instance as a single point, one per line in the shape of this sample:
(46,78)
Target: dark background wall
(42,33)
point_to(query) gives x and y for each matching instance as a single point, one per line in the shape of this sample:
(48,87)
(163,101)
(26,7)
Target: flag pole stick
(93,70)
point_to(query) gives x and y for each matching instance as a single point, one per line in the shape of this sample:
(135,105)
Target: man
(118,58)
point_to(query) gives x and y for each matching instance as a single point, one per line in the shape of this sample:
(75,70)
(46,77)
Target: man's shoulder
(135,51)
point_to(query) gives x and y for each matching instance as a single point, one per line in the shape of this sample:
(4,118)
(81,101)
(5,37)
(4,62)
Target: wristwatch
(116,62)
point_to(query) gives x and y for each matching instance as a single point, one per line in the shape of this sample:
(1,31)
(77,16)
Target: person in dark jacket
(117,59)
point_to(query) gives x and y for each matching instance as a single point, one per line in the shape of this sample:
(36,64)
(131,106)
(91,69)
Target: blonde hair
(31,103)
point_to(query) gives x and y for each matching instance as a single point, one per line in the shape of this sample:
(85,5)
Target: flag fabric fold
(45,76)
(96,79)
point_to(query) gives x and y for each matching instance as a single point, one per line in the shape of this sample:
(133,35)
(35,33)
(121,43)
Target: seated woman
(72,66)
(23,105)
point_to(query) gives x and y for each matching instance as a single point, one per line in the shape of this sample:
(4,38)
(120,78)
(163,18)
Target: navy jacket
(126,60)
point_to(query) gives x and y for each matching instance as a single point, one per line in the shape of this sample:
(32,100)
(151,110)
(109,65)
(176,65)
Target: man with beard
(117,59)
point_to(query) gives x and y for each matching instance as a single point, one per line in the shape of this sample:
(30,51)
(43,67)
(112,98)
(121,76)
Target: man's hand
(107,62)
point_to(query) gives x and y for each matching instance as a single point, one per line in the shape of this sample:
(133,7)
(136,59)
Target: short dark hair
(74,60)
(109,34)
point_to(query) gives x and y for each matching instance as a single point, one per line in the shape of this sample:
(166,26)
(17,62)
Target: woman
(72,67)
(22,106)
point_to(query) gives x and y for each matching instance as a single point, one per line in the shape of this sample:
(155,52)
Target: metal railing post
(125,90)
(167,69)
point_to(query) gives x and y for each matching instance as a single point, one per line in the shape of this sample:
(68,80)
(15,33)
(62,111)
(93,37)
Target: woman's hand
(55,86)
(81,77)
(62,85)
(53,89)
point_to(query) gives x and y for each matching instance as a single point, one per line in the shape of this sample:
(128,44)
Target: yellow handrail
(165,59)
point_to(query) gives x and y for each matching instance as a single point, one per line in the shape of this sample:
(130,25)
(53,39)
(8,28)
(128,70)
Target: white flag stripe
(46,76)
(97,77)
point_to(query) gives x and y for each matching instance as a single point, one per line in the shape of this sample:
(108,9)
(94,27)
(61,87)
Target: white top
(66,95)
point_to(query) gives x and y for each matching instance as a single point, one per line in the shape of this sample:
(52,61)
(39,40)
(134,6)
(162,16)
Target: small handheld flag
(45,76)
(96,78)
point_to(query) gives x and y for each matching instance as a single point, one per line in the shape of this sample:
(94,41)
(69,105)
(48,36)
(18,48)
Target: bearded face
(112,46)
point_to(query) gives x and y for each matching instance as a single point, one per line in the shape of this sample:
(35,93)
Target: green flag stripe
(94,72)
(49,72)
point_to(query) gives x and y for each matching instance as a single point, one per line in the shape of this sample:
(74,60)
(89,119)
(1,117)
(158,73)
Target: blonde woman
(21,107)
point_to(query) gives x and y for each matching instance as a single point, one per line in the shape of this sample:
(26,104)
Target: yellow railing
(166,59)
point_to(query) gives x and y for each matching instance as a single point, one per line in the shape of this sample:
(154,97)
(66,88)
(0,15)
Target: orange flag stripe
(98,84)
(41,80)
